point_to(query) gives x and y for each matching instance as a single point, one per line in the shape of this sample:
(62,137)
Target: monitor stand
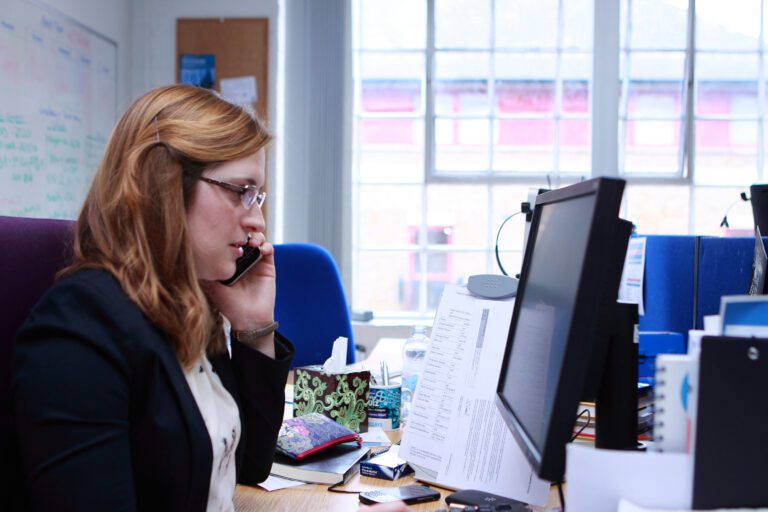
(616,401)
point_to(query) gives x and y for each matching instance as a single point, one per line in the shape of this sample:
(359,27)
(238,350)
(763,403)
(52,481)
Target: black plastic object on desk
(729,468)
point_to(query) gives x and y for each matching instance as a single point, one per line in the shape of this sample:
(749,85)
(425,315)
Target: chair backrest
(310,304)
(32,251)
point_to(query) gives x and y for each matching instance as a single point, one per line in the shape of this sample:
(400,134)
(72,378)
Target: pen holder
(343,397)
(384,406)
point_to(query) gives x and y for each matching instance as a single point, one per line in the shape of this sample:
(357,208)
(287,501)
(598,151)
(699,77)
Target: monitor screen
(554,326)
(759,197)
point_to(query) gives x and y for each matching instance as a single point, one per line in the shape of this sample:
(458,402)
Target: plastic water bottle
(414,353)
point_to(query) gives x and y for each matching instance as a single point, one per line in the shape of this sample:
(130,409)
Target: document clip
(492,286)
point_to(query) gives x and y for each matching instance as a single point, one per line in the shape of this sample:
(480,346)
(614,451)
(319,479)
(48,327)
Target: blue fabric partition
(668,284)
(725,268)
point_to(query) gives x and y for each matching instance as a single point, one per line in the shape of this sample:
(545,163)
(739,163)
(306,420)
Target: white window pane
(525,83)
(726,69)
(728,25)
(389,214)
(525,97)
(524,145)
(578,22)
(461,83)
(461,145)
(722,155)
(711,205)
(576,66)
(391,82)
(391,150)
(651,146)
(526,23)
(387,282)
(656,84)
(654,99)
(506,201)
(576,73)
(466,264)
(393,24)
(658,209)
(575,146)
(462,23)
(662,25)
(377,134)
(463,210)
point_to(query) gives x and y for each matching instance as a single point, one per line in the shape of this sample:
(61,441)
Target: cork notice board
(241,47)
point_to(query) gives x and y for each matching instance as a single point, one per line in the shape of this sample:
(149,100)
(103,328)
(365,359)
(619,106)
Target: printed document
(631,287)
(454,430)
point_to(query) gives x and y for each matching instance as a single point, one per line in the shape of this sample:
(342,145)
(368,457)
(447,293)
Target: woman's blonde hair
(133,222)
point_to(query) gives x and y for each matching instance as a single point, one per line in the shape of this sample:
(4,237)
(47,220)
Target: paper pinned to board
(239,90)
(454,433)
(631,287)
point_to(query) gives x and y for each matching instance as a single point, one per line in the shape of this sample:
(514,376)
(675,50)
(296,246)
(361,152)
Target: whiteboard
(58,102)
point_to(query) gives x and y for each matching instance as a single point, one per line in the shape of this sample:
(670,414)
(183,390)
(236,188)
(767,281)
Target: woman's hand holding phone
(249,303)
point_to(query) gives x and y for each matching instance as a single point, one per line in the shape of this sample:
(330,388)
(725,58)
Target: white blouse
(222,419)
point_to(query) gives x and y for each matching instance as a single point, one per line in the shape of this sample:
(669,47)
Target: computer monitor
(758,194)
(569,282)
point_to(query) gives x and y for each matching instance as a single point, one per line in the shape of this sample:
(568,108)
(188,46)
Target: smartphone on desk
(410,494)
(249,258)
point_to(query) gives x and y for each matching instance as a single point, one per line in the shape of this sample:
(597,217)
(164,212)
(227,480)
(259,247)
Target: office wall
(154,33)
(154,54)
(111,18)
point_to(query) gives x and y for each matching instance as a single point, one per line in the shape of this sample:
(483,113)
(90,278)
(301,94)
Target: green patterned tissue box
(343,397)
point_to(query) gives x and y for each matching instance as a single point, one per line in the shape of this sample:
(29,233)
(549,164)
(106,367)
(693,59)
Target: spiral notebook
(676,381)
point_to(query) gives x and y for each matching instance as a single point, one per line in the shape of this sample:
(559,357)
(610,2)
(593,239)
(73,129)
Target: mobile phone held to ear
(410,494)
(250,256)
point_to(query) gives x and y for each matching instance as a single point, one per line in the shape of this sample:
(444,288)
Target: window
(463,106)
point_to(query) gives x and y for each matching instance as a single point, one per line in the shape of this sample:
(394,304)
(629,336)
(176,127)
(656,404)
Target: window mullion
(687,127)
(761,97)
(429,156)
(624,81)
(429,97)
(690,114)
(558,107)
(604,94)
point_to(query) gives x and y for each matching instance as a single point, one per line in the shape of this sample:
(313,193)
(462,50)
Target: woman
(124,394)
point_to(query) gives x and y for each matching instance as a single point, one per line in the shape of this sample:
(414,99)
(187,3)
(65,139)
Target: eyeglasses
(249,194)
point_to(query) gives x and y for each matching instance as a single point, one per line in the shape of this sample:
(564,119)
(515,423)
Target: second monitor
(570,279)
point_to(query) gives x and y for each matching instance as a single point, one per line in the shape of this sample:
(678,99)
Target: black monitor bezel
(583,333)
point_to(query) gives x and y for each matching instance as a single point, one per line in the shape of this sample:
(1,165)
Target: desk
(316,497)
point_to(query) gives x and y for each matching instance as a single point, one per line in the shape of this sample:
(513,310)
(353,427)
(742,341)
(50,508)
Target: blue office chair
(310,305)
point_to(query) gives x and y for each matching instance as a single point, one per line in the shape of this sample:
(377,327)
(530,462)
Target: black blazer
(104,417)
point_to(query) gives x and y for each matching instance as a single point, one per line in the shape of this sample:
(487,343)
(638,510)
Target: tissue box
(387,465)
(343,397)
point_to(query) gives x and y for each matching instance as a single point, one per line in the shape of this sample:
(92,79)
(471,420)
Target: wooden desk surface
(313,497)
(316,497)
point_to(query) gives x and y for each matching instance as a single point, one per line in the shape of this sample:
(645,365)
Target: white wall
(154,31)
(154,55)
(110,18)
